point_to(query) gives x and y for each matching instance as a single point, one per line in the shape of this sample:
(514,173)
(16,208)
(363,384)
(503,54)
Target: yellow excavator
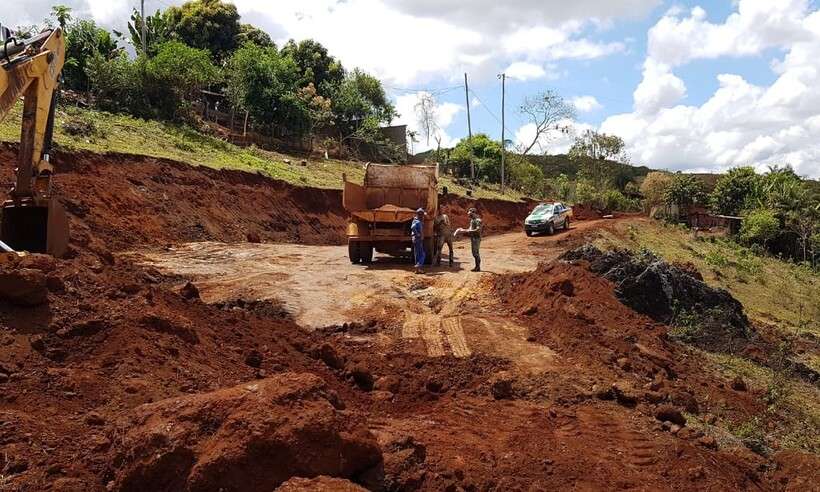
(32,219)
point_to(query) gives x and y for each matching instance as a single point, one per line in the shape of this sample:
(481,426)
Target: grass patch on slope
(107,132)
(771,290)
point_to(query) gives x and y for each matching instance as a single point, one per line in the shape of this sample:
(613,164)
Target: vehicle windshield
(542,209)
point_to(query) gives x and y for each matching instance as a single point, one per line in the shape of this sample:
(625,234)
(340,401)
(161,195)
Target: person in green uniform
(475,237)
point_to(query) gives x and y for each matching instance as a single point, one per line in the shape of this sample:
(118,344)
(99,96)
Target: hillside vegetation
(99,131)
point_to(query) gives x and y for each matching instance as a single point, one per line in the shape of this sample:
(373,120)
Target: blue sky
(689,85)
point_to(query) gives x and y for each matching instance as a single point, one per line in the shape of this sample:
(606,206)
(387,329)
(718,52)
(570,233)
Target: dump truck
(382,208)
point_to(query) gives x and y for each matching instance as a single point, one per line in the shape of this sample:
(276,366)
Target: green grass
(772,291)
(793,414)
(128,135)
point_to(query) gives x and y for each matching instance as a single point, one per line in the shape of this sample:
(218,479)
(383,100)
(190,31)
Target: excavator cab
(32,219)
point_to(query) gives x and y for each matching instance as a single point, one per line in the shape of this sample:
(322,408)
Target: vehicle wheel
(366,252)
(566,224)
(353,252)
(528,233)
(550,229)
(428,251)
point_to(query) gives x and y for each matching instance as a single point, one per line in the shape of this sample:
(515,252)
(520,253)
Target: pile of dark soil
(708,317)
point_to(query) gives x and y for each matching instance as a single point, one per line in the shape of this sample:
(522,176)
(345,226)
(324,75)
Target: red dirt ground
(121,380)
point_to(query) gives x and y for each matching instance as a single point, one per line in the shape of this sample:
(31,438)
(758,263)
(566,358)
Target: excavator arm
(33,220)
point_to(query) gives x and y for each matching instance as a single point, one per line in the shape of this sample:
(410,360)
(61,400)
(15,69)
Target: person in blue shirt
(417,235)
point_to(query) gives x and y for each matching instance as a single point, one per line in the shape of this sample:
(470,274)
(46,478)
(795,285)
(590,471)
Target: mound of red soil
(624,355)
(250,437)
(581,211)
(319,484)
(669,294)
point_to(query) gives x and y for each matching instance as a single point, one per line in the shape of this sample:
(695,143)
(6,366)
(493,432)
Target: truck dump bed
(392,193)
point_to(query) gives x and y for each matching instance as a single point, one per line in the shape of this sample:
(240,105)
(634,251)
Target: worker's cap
(420,211)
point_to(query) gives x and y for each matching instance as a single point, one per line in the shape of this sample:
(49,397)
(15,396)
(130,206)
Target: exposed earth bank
(115,374)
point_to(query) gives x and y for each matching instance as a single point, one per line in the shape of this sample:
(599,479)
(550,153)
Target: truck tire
(353,252)
(550,229)
(528,233)
(566,224)
(366,252)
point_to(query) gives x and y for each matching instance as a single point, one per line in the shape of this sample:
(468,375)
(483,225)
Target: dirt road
(439,313)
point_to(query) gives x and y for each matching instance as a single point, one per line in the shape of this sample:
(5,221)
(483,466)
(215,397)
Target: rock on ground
(251,437)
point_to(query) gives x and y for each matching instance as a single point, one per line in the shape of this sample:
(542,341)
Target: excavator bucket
(35,227)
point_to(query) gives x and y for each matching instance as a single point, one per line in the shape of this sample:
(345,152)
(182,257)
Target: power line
(435,92)
(487,108)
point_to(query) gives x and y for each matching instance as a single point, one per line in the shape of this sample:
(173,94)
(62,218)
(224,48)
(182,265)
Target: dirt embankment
(115,377)
(126,201)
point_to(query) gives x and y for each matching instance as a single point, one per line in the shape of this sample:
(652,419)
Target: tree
(524,175)
(264,83)
(83,41)
(759,227)
(315,65)
(654,186)
(596,154)
(252,34)
(549,113)
(806,224)
(683,191)
(206,24)
(562,186)
(62,14)
(358,99)
(484,152)
(317,109)
(176,75)
(735,191)
(426,114)
(157,31)
(23,32)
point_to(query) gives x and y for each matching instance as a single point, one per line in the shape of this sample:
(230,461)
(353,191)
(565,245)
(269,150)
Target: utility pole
(503,78)
(469,128)
(144,29)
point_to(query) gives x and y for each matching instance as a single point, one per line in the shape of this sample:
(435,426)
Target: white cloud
(741,123)
(445,114)
(659,88)
(757,25)
(408,42)
(413,42)
(524,71)
(586,104)
(494,16)
(552,143)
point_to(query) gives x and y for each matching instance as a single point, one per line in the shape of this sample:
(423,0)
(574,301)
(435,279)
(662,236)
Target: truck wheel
(366,252)
(566,224)
(428,251)
(528,233)
(550,229)
(353,252)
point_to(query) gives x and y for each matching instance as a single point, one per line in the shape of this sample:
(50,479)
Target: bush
(759,226)
(654,186)
(735,191)
(585,193)
(160,87)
